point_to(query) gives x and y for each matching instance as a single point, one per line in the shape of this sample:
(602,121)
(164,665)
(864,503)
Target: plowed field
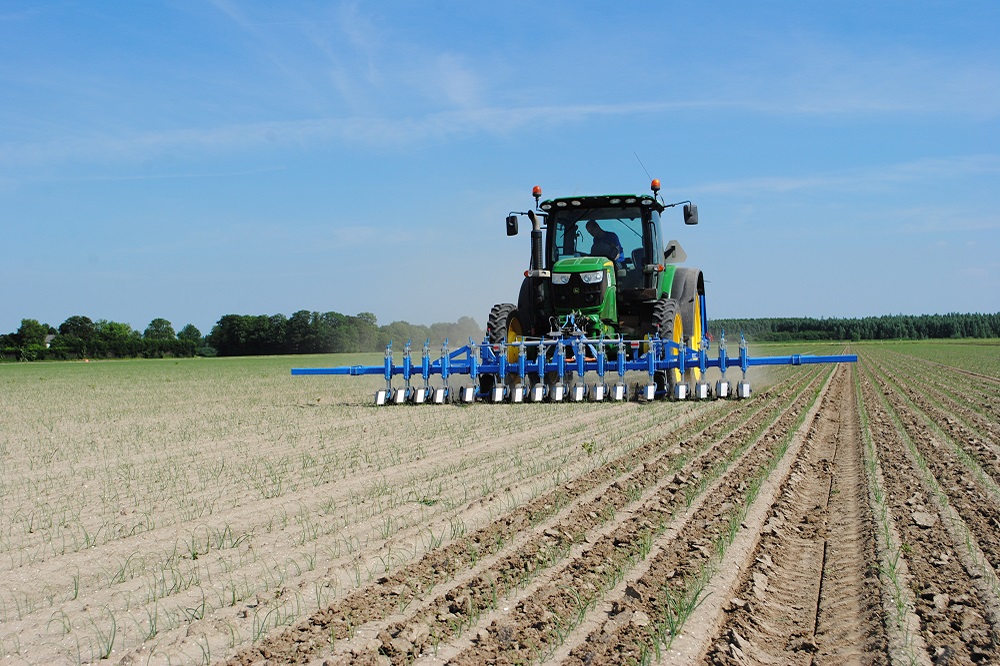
(221,511)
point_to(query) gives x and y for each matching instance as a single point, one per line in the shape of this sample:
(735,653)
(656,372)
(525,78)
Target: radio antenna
(641,164)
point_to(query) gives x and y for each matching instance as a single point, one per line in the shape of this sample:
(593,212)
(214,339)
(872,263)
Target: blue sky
(188,159)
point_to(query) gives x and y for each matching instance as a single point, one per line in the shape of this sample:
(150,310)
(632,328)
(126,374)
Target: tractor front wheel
(503,326)
(666,320)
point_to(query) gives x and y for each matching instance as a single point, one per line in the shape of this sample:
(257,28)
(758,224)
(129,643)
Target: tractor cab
(603,264)
(606,228)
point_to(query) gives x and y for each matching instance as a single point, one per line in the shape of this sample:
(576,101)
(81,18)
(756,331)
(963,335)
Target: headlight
(560,278)
(592,277)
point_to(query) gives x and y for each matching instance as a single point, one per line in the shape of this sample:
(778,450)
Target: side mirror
(690,214)
(512,225)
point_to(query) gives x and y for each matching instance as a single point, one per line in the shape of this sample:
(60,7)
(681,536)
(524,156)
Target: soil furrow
(967,492)
(979,443)
(455,608)
(541,621)
(802,598)
(440,566)
(979,396)
(653,607)
(953,626)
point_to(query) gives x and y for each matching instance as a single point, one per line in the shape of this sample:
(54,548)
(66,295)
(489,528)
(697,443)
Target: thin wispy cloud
(814,75)
(366,130)
(859,179)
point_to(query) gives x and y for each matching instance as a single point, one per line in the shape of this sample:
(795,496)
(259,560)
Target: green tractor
(603,269)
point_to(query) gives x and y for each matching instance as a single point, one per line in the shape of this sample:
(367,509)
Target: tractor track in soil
(362,612)
(951,606)
(651,603)
(659,526)
(811,593)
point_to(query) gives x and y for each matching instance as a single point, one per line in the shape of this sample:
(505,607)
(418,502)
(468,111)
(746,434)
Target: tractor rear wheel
(503,326)
(666,320)
(689,288)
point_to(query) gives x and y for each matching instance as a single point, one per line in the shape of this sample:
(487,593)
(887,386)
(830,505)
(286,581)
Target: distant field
(198,510)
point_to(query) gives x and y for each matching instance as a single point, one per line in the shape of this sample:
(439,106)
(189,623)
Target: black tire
(503,325)
(666,320)
(687,289)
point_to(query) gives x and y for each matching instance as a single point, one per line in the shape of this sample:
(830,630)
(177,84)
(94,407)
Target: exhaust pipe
(536,241)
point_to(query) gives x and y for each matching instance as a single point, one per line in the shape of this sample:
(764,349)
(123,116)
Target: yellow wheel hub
(514,334)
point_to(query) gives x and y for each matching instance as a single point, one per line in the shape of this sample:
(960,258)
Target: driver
(606,243)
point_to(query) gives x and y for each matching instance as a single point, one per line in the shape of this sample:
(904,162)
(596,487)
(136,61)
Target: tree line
(81,337)
(328,332)
(308,332)
(233,335)
(887,327)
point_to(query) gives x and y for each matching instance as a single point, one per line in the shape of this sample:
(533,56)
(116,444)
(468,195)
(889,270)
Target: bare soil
(844,515)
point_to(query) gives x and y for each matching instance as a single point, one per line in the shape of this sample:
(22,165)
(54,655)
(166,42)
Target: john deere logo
(576,290)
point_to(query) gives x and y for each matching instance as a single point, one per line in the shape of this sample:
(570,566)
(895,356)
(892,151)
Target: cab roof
(602,201)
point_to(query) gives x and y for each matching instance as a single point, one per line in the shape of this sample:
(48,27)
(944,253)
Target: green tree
(31,332)
(115,339)
(190,333)
(299,335)
(76,337)
(78,326)
(159,329)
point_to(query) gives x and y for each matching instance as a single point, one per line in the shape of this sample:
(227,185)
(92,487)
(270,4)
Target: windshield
(615,233)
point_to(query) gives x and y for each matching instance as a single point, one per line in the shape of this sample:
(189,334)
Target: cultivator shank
(565,369)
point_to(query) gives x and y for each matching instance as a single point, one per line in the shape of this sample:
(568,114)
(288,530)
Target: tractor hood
(581,265)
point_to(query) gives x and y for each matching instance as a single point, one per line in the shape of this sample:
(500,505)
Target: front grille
(575,295)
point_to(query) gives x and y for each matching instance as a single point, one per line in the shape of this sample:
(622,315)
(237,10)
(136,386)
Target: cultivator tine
(723,388)
(599,391)
(382,396)
(401,395)
(647,392)
(522,362)
(743,386)
(578,392)
(619,392)
(702,389)
(442,394)
(423,393)
(519,393)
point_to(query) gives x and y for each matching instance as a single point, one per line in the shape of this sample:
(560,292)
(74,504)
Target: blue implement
(553,358)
